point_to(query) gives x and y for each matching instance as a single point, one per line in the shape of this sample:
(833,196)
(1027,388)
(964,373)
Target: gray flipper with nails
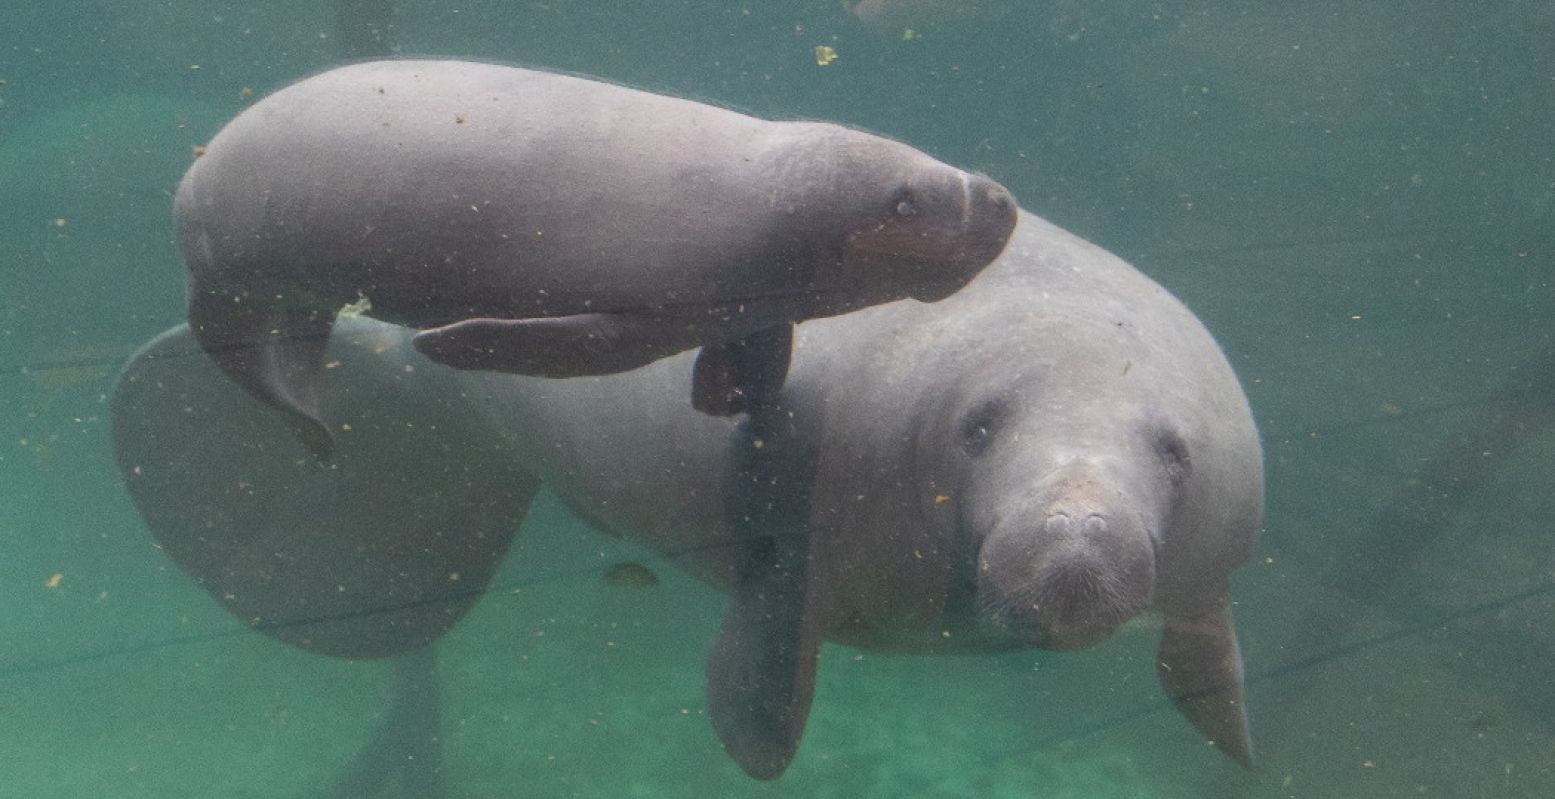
(761,670)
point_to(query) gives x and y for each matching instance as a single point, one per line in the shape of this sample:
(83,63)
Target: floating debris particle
(355,309)
(631,574)
(824,55)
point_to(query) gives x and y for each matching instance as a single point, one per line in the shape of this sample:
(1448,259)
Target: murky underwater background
(1357,199)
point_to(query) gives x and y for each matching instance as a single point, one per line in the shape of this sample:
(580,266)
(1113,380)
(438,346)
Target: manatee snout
(985,222)
(940,227)
(1067,571)
(989,218)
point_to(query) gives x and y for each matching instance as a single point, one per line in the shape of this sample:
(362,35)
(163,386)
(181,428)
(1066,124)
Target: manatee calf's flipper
(732,377)
(274,352)
(761,671)
(1200,666)
(553,346)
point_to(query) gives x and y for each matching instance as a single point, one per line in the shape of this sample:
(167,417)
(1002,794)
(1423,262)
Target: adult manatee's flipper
(274,351)
(761,671)
(1200,666)
(732,377)
(375,553)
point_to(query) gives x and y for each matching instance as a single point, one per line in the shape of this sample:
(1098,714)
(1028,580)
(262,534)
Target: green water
(1357,198)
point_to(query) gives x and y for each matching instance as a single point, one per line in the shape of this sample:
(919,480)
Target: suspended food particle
(53,582)
(908,34)
(355,309)
(824,55)
(198,151)
(245,92)
(631,574)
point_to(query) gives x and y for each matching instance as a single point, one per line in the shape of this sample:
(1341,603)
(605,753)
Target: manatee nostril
(989,197)
(1000,198)
(1061,524)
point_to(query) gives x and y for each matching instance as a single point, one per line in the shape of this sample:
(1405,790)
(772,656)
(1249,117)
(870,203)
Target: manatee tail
(274,352)
(378,553)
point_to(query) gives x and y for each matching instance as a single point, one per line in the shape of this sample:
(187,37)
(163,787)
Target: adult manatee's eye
(979,426)
(1174,454)
(904,203)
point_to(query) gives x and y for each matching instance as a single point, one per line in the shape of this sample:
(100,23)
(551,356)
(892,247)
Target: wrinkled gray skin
(550,225)
(1053,450)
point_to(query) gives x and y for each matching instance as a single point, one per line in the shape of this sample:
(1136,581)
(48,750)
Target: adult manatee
(1053,450)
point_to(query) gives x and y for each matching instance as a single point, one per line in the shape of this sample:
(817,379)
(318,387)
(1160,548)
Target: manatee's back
(408,169)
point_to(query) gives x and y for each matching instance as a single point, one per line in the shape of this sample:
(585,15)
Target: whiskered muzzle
(1069,581)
